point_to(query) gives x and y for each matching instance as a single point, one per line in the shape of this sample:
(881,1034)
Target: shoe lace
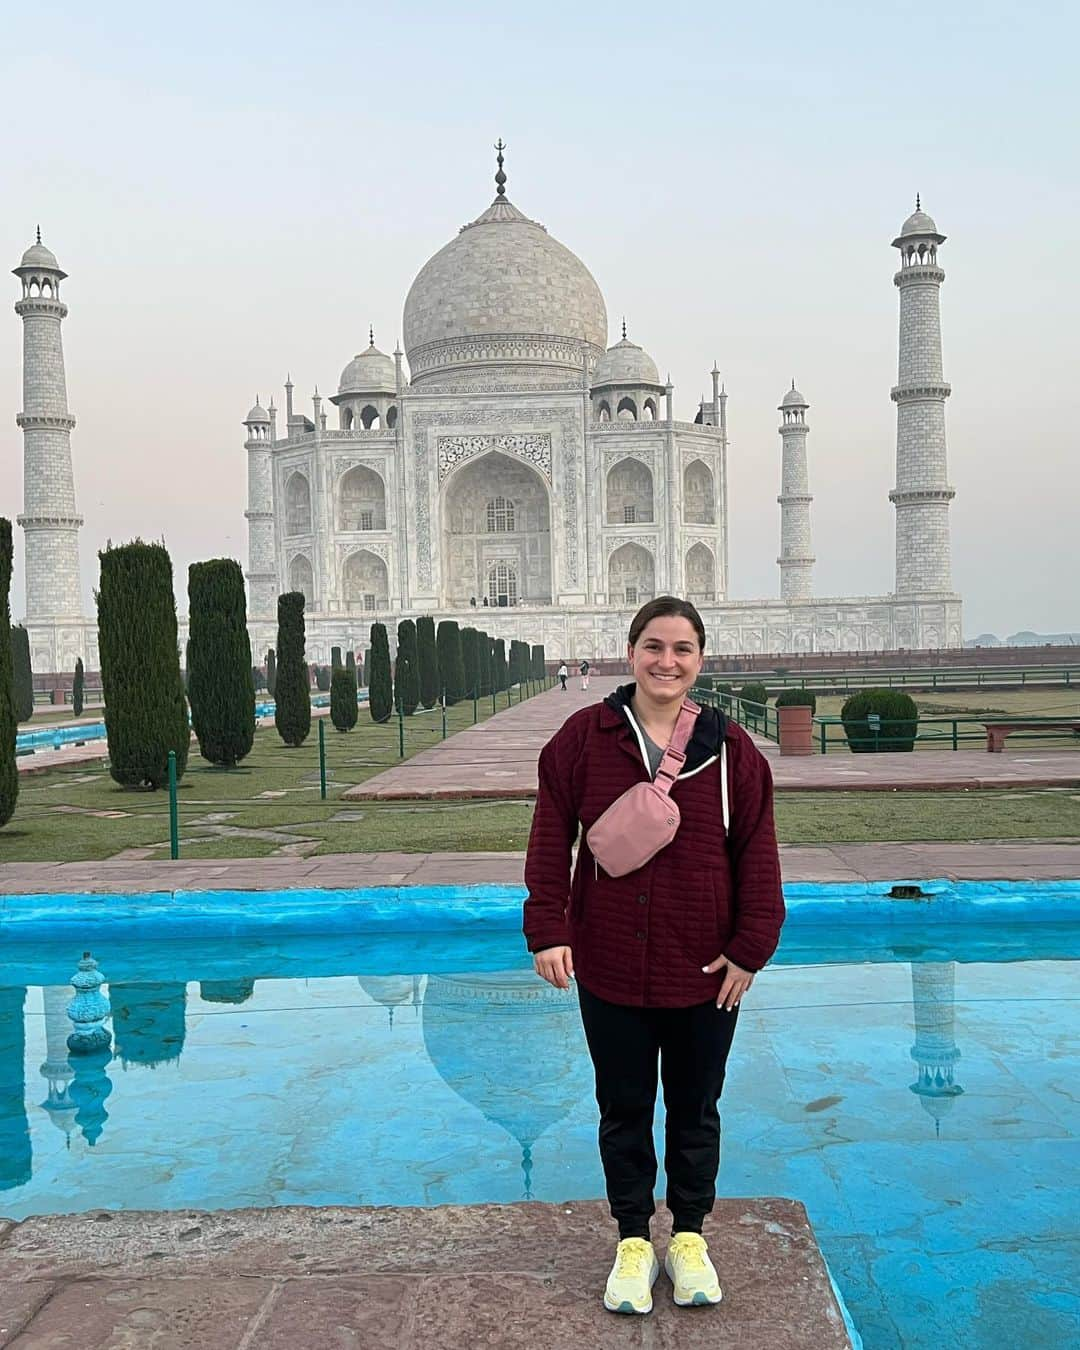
(690,1249)
(631,1256)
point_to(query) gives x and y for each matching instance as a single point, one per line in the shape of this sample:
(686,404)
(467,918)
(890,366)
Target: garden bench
(998,732)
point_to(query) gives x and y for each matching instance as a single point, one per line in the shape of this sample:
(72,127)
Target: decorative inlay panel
(535,449)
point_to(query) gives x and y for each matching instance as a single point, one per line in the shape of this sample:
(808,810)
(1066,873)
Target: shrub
(427,661)
(704,681)
(335,658)
(350,662)
(380,693)
(406,676)
(22,675)
(220,686)
(470,662)
(343,699)
(451,663)
(292,695)
(514,673)
(499,672)
(271,672)
(754,692)
(78,689)
(322,678)
(538,663)
(897,729)
(145,707)
(797,698)
(9,771)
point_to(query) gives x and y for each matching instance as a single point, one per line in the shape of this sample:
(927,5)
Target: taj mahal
(509,458)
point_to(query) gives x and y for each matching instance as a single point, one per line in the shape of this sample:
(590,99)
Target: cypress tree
(9,772)
(322,678)
(22,675)
(406,676)
(451,665)
(221,689)
(483,663)
(78,688)
(380,694)
(292,695)
(343,698)
(335,659)
(469,662)
(350,663)
(271,672)
(538,671)
(427,660)
(145,707)
(499,674)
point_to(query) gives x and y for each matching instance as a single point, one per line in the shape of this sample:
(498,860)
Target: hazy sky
(237,191)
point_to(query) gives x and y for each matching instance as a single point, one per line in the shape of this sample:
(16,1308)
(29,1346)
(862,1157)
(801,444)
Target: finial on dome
(793,385)
(39,234)
(918,202)
(500,177)
(371,334)
(624,328)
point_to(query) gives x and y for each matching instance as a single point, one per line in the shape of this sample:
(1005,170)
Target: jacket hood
(709,729)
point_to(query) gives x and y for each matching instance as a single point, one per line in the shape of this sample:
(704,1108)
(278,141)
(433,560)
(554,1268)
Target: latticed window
(629,515)
(369,601)
(631,595)
(367,520)
(500,515)
(502,586)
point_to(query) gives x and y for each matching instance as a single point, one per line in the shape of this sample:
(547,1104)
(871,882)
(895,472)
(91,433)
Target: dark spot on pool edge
(822,1103)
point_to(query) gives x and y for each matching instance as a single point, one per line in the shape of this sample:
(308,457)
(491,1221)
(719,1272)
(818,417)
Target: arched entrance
(496,515)
(700,575)
(631,575)
(362,500)
(364,583)
(302,579)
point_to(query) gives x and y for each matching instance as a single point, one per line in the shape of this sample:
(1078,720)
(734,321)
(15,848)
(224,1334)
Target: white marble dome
(369,372)
(918,223)
(626,364)
(793,399)
(504,293)
(37,255)
(257,414)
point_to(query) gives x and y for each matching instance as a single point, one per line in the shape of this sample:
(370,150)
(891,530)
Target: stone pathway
(521,1275)
(498,759)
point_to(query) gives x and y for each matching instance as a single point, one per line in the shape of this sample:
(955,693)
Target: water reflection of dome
(933,988)
(393,991)
(148,1022)
(16,1157)
(57,1070)
(508,1044)
(89,1090)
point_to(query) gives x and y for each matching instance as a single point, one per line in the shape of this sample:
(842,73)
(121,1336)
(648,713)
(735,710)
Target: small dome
(628,364)
(257,414)
(918,223)
(37,255)
(369,372)
(793,399)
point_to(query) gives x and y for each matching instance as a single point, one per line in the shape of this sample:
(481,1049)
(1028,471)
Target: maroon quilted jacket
(642,939)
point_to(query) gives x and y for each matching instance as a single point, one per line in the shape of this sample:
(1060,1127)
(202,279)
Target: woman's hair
(666,607)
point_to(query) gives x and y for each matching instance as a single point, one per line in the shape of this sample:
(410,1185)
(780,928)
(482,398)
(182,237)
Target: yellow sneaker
(629,1286)
(691,1271)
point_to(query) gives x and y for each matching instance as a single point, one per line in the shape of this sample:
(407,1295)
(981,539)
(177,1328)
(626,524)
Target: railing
(759,718)
(929,678)
(940,733)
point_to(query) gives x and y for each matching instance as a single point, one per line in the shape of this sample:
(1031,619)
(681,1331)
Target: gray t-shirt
(655,753)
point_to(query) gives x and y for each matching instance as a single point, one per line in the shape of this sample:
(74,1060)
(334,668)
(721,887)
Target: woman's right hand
(556,965)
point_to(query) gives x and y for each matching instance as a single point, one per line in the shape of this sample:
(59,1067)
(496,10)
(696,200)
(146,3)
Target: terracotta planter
(796,730)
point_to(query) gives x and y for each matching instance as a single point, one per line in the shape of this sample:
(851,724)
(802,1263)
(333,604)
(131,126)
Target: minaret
(796,547)
(261,577)
(50,522)
(922,493)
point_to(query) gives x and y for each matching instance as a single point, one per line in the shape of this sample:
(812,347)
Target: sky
(238,191)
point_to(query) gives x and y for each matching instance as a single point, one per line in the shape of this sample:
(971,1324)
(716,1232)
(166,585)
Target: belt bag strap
(674,757)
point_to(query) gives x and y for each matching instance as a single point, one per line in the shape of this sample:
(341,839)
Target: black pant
(692,1047)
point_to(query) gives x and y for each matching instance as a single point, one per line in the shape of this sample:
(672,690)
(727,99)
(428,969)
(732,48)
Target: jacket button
(643,899)
(640,935)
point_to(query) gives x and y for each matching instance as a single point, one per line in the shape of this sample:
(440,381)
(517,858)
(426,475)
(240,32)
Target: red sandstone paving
(526,1275)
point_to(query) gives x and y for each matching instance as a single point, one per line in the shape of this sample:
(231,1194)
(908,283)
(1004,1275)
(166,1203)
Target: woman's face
(666,659)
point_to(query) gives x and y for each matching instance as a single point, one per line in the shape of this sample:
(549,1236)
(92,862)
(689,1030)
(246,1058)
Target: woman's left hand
(736,982)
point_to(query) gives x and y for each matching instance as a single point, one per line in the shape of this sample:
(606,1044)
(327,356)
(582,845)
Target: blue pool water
(908,1071)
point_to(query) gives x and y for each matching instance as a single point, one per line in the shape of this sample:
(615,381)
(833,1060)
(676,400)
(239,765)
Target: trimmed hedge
(271,672)
(22,674)
(78,689)
(221,690)
(754,692)
(898,727)
(538,663)
(335,659)
(343,699)
(9,771)
(380,690)
(322,678)
(292,695)
(500,675)
(797,698)
(483,664)
(451,663)
(427,658)
(406,676)
(145,707)
(470,661)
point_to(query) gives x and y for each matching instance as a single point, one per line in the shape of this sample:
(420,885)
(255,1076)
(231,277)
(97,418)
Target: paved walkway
(523,1275)
(497,758)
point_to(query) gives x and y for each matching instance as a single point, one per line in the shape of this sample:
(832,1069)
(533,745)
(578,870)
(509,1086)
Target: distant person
(583,671)
(662,954)
(562,673)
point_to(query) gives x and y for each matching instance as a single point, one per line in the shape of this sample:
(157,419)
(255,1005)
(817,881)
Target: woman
(583,671)
(663,955)
(562,673)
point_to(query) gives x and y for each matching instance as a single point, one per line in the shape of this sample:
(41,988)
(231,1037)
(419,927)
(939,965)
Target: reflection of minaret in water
(492,1064)
(15,1150)
(934,996)
(148,1022)
(394,991)
(57,1070)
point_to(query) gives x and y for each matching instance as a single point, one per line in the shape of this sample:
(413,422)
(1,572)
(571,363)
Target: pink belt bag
(637,825)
